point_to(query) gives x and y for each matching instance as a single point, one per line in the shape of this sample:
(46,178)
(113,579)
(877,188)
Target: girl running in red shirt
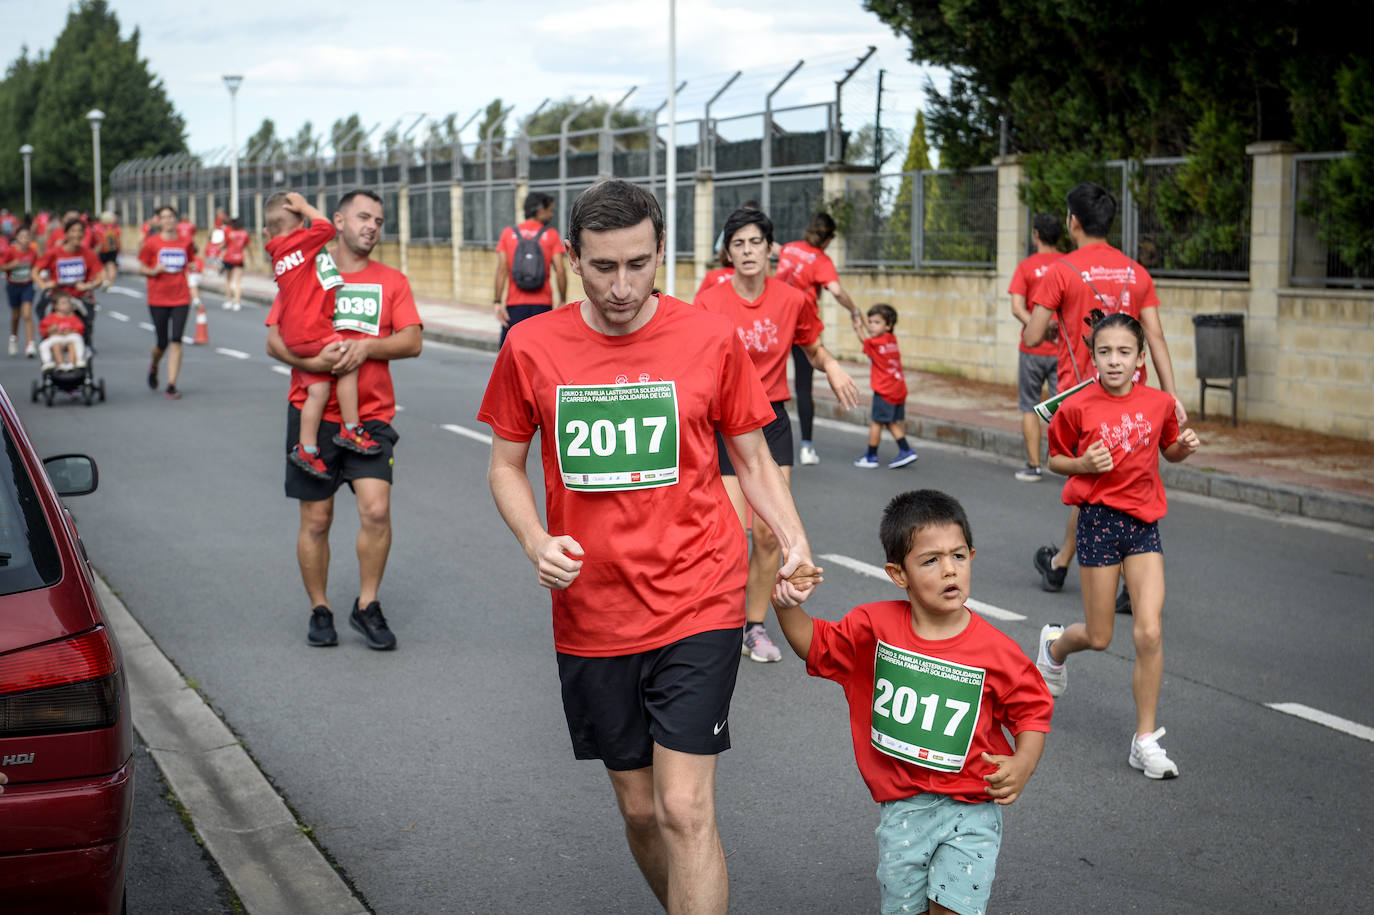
(1105,439)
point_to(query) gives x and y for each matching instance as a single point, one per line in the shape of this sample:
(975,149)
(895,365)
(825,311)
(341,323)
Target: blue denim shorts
(885,411)
(932,847)
(1106,536)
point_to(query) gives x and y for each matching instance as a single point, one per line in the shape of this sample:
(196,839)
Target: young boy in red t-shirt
(306,284)
(61,330)
(889,386)
(930,686)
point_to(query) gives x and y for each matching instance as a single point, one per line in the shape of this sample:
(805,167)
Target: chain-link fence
(1322,252)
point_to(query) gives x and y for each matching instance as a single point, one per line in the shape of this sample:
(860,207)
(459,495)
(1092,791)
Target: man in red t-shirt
(1078,290)
(375,313)
(519,304)
(1036,365)
(643,552)
(164,260)
(805,266)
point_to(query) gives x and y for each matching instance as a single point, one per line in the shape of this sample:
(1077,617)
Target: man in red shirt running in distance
(1035,365)
(770,317)
(805,266)
(643,553)
(518,303)
(375,312)
(165,259)
(1078,289)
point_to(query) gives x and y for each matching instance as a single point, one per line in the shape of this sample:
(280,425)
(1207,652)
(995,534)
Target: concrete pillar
(833,187)
(703,228)
(522,190)
(322,202)
(256,227)
(403,230)
(1271,240)
(210,210)
(138,213)
(455,217)
(1013,238)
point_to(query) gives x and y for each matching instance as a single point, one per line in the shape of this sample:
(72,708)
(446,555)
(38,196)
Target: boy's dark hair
(613,204)
(74,221)
(536,201)
(819,230)
(914,511)
(1120,319)
(886,312)
(741,218)
(1048,227)
(167,206)
(1094,208)
(348,198)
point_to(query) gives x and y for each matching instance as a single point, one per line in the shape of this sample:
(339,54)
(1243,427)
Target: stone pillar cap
(1271,148)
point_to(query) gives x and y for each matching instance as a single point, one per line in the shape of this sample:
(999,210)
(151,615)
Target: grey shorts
(1031,373)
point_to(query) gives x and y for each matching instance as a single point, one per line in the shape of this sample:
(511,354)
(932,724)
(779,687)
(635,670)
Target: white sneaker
(1149,757)
(31,350)
(1056,677)
(809,455)
(758,646)
(237,306)
(226,305)
(14,346)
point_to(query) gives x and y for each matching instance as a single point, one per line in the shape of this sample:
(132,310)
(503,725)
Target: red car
(66,739)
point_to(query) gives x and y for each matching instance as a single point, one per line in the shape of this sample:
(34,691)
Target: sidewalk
(1291,471)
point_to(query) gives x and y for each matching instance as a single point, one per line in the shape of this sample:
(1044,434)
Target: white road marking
(1319,717)
(120,316)
(468,433)
(281,370)
(864,568)
(144,325)
(189,341)
(125,290)
(233,353)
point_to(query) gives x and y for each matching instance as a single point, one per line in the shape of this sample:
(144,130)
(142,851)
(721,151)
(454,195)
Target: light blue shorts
(931,847)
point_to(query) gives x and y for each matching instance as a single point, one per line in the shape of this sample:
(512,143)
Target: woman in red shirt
(235,241)
(164,260)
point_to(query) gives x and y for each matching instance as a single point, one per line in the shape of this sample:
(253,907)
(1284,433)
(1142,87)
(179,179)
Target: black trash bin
(1219,342)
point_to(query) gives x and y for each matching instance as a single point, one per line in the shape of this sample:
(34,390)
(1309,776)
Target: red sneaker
(308,462)
(356,439)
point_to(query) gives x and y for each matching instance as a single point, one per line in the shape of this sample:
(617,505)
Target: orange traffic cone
(202,325)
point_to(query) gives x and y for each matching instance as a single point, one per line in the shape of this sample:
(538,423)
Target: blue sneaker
(903,458)
(866,462)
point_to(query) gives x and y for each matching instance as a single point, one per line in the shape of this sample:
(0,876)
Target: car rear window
(28,555)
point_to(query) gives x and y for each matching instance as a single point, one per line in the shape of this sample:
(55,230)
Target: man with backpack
(528,256)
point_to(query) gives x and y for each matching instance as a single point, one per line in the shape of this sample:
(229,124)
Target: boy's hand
(1097,459)
(1006,784)
(1188,438)
(796,563)
(294,203)
(806,577)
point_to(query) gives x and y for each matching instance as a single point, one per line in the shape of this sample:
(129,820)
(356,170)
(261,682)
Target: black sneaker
(372,625)
(1123,601)
(152,377)
(1051,579)
(321,633)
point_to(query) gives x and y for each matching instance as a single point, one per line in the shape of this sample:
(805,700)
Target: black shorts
(109,257)
(20,294)
(344,466)
(677,696)
(169,323)
(886,412)
(778,433)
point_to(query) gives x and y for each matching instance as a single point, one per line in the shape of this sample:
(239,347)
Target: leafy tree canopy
(44,100)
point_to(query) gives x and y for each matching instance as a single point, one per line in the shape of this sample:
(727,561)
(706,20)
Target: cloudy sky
(402,59)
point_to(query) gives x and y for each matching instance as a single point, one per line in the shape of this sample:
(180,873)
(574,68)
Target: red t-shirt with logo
(1023,283)
(306,298)
(1124,285)
(885,373)
(186,229)
(25,258)
(552,245)
(69,268)
(803,266)
(713,278)
(376,395)
(175,255)
(1135,427)
(1014,695)
(106,237)
(767,326)
(235,241)
(661,563)
(54,324)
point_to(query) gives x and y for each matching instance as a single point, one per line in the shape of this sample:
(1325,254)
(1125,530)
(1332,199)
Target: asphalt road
(439,778)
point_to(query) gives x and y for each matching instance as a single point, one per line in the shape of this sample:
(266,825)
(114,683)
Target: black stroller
(79,381)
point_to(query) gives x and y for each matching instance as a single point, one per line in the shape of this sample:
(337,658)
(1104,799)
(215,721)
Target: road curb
(240,818)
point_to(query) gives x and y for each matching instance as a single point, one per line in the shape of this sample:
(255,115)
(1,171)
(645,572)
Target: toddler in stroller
(64,351)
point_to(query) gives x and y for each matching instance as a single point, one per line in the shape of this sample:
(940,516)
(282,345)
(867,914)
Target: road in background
(439,777)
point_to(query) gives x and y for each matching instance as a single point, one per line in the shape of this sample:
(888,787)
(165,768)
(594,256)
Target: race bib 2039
(617,436)
(358,306)
(925,710)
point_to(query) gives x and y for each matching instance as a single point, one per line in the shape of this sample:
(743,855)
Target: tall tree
(549,121)
(264,143)
(490,121)
(44,100)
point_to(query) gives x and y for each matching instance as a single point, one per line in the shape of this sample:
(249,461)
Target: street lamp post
(96,116)
(232,82)
(27,152)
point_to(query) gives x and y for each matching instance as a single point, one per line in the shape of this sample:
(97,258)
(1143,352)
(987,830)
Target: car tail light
(68,685)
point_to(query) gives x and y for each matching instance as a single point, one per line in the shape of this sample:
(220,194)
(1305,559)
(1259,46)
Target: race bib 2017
(358,306)
(925,710)
(617,436)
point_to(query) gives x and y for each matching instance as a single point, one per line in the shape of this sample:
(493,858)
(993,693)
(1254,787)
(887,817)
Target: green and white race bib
(326,271)
(617,436)
(925,709)
(358,306)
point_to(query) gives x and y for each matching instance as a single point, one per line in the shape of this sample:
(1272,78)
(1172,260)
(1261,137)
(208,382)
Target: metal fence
(1315,258)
